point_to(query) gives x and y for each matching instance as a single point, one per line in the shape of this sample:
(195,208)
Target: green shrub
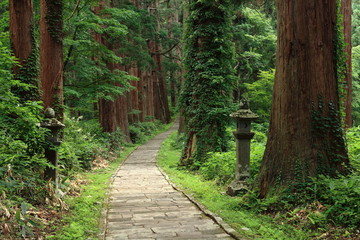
(220,167)
(353,136)
(139,130)
(83,141)
(341,199)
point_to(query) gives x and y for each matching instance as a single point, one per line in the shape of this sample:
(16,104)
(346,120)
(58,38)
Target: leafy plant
(24,221)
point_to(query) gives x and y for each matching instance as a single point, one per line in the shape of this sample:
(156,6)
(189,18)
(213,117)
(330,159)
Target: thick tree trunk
(51,55)
(346,12)
(107,115)
(206,93)
(24,49)
(305,137)
(122,116)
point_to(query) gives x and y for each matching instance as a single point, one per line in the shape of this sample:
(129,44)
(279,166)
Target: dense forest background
(114,71)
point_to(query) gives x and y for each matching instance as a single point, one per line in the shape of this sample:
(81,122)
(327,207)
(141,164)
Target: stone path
(143,205)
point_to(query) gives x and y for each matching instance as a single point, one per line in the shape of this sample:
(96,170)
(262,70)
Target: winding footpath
(143,205)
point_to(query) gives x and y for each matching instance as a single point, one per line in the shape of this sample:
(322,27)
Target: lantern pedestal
(53,142)
(243,136)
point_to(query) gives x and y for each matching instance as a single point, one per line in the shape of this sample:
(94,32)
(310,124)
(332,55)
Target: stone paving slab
(143,205)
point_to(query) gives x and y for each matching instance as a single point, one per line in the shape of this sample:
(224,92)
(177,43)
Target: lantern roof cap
(244,112)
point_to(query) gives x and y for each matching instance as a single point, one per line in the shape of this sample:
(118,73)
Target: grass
(83,222)
(249,224)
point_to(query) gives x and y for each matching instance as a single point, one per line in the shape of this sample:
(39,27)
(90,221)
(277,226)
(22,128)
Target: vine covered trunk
(51,55)
(206,93)
(305,136)
(24,49)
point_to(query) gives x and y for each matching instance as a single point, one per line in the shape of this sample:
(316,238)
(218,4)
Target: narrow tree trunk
(161,103)
(305,136)
(141,95)
(182,73)
(346,12)
(24,49)
(51,55)
(107,108)
(134,95)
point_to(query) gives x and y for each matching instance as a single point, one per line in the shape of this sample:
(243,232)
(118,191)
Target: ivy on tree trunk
(206,95)
(305,136)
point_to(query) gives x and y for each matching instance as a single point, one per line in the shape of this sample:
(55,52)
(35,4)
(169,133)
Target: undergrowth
(323,208)
(246,222)
(31,207)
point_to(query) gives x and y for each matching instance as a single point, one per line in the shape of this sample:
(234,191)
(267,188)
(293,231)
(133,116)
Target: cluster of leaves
(208,54)
(220,166)
(84,141)
(255,41)
(91,44)
(139,130)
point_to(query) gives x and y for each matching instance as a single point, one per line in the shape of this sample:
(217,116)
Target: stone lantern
(243,136)
(52,140)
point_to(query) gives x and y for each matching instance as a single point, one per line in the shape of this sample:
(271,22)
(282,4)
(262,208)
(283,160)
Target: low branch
(167,51)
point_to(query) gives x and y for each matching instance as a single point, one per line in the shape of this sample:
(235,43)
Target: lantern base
(237,187)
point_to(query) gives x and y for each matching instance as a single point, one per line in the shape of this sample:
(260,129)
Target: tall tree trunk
(182,73)
(134,95)
(140,90)
(122,112)
(107,115)
(206,94)
(305,136)
(51,68)
(346,12)
(51,55)
(107,108)
(161,103)
(24,49)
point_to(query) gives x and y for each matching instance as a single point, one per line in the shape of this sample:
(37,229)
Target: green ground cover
(323,208)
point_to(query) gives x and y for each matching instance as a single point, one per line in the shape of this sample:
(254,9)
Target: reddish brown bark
(134,96)
(107,115)
(141,96)
(51,59)
(23,47)
(122,112)
(346,12)
(122,116)
(21,15)
(107,108)
(303,141)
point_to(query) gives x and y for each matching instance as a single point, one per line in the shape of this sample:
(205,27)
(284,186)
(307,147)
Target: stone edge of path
(217,219)
(105,209)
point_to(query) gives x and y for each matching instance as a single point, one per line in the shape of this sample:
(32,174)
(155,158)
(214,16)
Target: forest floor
(144,205)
